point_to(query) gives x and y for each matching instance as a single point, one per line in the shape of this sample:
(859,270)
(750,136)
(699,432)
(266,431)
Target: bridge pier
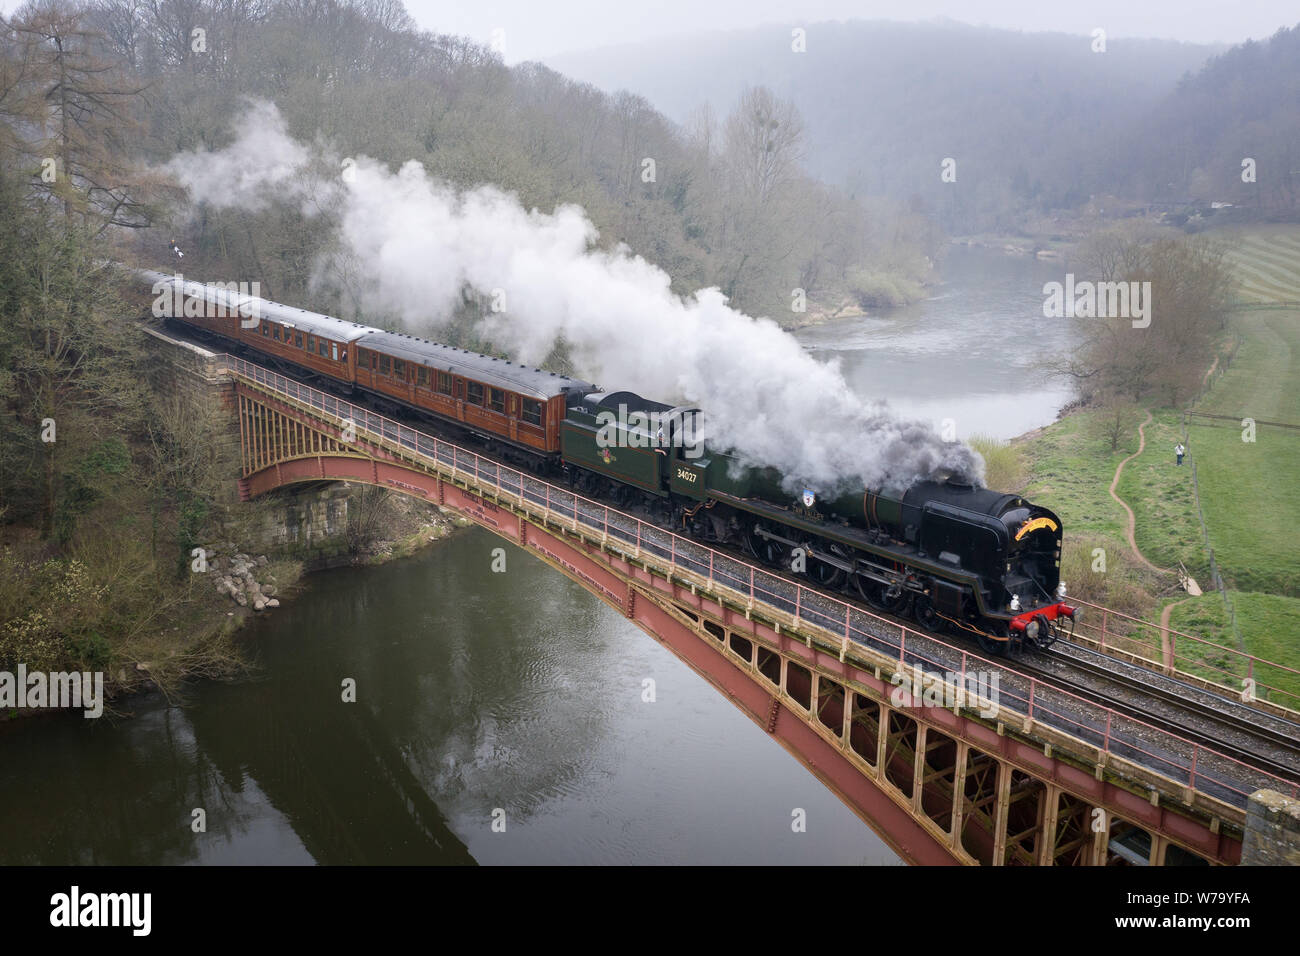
(1272,830)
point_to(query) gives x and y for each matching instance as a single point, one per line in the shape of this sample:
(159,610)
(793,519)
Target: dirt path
(1132,520)
(1166,649)
(1209,371)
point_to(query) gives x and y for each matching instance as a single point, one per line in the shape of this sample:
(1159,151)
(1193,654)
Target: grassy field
(1267,624)
(1266,259)
(1161,496)
(1070,467)
(1249,491)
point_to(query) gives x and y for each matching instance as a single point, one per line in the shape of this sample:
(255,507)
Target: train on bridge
(951,555)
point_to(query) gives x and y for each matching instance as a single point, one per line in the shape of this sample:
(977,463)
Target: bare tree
(764,142)
(86,126)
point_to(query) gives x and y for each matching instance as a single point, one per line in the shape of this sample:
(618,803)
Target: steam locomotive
(949,554)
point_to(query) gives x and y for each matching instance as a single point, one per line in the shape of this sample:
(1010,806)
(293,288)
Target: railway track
(1280,739)
(1245,734)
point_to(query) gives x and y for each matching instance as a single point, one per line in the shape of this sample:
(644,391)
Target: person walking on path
(1179,452)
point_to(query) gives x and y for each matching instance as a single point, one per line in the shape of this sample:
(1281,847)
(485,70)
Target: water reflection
(515,693)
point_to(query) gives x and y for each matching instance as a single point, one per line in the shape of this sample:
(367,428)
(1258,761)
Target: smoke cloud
(417,244)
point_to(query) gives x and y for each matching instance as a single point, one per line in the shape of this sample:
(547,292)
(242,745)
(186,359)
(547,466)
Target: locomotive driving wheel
(824,574)
(772,553)
(883,597)
(988,645)
(926,615)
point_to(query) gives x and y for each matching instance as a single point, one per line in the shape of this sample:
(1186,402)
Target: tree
(1189,287)
(85,126)
(68,359)
(1116,421)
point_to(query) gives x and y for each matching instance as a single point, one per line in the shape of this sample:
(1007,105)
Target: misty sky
(535,30)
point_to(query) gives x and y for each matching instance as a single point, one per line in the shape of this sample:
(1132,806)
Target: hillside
(1035,122)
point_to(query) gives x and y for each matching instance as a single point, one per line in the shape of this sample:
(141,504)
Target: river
(967,352)
(500,718)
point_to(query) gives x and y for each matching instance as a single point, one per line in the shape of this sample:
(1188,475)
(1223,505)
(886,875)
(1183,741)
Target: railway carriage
(486,397)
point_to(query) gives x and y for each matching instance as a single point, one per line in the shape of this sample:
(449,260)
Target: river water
(500,717)
(967,353)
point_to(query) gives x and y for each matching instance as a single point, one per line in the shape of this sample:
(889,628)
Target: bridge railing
(1184,761)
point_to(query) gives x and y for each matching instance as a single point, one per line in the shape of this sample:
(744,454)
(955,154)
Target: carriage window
(266,329)
(335,348)
(422,377)
(311,344)
(384,364)
(496,400)
(444,383)
(297,339)
(532,412)
(475,393)
(323,350)
(399,369)
(275,334)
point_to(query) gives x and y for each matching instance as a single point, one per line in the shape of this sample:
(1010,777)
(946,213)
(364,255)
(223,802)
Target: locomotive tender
(951,555)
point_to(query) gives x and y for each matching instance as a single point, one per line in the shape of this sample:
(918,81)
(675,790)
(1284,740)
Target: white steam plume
(419,243)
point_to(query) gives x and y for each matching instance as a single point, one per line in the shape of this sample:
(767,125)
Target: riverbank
(174,631)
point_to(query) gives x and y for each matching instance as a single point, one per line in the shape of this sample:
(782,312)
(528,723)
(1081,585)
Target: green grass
(1267,624)
(1004,463)
(1160,494)
(1070,467)
(1250,491)
(1070,471)
(1266,260)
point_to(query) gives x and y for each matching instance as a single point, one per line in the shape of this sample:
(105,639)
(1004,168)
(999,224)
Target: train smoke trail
(415,243)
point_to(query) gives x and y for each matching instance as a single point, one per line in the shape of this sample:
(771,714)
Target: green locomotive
(951,555)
